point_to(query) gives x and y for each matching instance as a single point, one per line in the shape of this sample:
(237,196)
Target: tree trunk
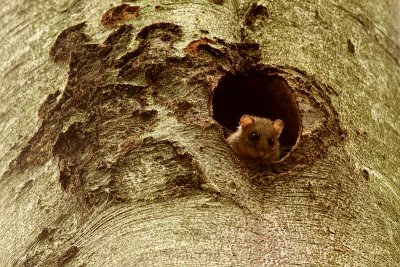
(114,116)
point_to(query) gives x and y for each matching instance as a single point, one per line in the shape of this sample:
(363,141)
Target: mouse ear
(246,120)
(278,126)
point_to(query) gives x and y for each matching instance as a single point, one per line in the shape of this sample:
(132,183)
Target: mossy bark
(111,156)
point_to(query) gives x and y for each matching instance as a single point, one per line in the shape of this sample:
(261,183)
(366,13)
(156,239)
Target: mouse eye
(254,137)
(271,141)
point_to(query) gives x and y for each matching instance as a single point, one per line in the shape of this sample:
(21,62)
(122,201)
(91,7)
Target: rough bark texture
(113,150)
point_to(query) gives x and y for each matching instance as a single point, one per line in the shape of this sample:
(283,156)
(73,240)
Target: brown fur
(261,149)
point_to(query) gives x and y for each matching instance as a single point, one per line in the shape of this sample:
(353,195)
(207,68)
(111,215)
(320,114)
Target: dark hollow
(260,95)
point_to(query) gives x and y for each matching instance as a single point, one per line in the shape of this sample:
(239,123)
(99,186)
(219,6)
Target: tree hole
(261,95)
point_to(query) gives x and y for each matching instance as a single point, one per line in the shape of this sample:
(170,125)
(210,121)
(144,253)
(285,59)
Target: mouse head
(260,137)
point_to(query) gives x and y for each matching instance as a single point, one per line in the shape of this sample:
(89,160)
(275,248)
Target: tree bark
(113,121)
